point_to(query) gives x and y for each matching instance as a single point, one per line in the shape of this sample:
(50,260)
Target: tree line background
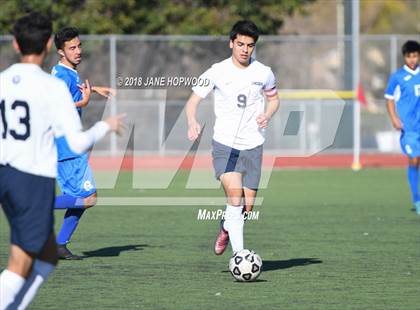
(212,17)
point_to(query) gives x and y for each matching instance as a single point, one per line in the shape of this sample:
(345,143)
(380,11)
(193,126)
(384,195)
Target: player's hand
(106,92)
(86,91)
(397,123)
(116,123)
(262,120)
(194,130)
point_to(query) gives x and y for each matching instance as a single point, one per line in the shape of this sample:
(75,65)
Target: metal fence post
(393,53)
(113,84)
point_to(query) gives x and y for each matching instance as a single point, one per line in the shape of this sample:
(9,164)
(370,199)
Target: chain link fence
(303,127)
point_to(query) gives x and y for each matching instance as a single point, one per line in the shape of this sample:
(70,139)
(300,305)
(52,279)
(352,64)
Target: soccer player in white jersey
(239,84)
(35,108)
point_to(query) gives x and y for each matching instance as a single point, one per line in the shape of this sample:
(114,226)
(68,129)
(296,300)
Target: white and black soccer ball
(245,265)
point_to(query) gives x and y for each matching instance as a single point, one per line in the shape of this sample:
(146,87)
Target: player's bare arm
(104,91)
(86,91)
(116,123)
(194,128)
(395,120)
(273,104)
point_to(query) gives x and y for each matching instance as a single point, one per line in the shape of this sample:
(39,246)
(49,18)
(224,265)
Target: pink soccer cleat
(222,241)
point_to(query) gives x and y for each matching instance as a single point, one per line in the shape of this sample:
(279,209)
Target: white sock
(40,272)
(10,285)
(234,224)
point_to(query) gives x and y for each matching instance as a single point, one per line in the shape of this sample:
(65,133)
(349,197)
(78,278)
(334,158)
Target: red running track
(204,162)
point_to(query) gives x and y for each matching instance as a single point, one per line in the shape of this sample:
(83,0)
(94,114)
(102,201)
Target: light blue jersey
(74,174)
(72,80)
(71,77)
(404,89)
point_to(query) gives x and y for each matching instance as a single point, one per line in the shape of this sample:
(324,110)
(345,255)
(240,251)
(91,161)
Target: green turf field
(329,239)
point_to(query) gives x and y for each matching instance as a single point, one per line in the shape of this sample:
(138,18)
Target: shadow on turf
(269,265)
(290,263)
(251,282)
(114,250)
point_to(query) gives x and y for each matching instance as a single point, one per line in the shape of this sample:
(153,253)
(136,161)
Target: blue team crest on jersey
(417,90)
(16,79)
(88,186)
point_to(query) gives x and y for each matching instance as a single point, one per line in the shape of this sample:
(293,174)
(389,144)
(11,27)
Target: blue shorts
(75,177)
(410,143)
(28,202)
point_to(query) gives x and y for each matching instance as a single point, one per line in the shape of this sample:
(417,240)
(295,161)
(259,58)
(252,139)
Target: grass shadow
(251,282)
(114,250)
(269,265)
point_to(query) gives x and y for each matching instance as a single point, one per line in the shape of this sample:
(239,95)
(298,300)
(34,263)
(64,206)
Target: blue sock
(67,202)
(413,181)
(71,220)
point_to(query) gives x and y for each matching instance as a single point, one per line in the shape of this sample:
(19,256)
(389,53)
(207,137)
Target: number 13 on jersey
(24,130)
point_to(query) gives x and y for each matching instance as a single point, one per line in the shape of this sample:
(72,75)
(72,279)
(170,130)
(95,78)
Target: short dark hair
(410,47)
(32,32)
(246,28)
(64,35)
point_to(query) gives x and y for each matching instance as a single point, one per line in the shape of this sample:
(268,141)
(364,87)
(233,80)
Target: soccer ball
(245,265)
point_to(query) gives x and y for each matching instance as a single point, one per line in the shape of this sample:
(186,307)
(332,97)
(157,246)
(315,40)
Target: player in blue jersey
(403,104)
(75,177)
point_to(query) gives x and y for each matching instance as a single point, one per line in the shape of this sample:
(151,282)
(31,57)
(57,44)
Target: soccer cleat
(417,207)
(414,206)
(64,253)
(222,240)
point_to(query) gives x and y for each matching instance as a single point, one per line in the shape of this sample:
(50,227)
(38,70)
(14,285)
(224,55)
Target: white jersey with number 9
(238,100)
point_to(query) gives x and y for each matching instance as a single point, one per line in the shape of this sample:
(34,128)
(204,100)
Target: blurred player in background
(35,108)
(403,104)
(75,177)
(239,83)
